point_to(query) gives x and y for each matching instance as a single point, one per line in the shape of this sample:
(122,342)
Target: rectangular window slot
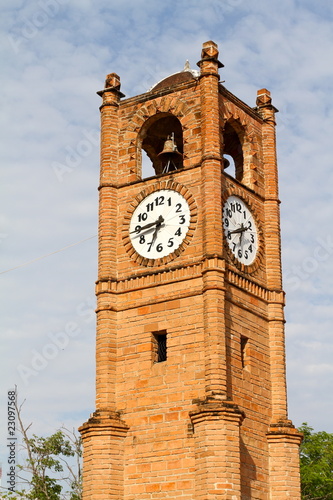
(159,346)
(244,354)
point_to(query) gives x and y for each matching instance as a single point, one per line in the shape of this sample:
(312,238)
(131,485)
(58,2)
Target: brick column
(108,176)
(214,324)
(284,473)
(216,422)
(211,154)
(273,258)
(106,306)
(283,438)
(217,451)
(272,203)
(104,433)
(103,468)
(213,279)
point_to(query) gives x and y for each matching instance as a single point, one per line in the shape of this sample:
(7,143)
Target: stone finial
(263,98)
(209,50)
(112,81)
(264,101)
(112,85)
(209,57)
(187,66)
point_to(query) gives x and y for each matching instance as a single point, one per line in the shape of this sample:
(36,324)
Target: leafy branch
(47,466)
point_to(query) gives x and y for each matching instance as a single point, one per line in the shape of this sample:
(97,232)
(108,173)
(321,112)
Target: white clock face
(159,224)
(240,230)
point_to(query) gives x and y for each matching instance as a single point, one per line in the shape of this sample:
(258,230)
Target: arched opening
(233,151)
(152,138)
(147,168)
(229,164)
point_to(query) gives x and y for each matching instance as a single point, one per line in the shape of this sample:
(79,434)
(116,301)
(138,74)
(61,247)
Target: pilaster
(277,357)
(103,458)
(211,149)
(283,438)
(216,428)
(108,176)
(111,96)
(284,473)
(214,324)
(108,220)
(272,203)
(106,354)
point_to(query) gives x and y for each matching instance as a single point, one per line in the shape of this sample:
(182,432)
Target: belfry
(191,397)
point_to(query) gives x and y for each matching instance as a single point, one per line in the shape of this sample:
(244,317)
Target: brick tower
(190,377)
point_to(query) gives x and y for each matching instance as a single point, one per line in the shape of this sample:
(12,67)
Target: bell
(170,147)
(170,155)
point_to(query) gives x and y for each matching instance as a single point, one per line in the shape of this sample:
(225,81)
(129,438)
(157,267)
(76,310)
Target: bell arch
(152,137)
(233,140)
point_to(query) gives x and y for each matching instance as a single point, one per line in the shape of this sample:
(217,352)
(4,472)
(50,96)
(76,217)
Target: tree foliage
(316,457)
(52,465)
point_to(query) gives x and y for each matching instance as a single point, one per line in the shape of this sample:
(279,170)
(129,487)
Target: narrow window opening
(147,166)
(232,139)
(229,163)
(159,346)
(161,144)
(244,351)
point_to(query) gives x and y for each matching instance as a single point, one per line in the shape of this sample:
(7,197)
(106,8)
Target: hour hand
(151,224)
(239,229)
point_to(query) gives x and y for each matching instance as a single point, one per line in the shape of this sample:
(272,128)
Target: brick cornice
(250,286)
(245,107)
(114,104)
(102,421)
(113,90)
(214,409)
(148,96)
(190,271)
(284,431)
(152,179)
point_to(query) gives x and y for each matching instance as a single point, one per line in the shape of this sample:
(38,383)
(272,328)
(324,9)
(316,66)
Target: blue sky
(55,55)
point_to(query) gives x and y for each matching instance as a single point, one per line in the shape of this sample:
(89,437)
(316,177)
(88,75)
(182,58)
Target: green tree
(52,468)
(316,457)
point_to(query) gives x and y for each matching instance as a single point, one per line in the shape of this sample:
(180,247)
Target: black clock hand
(159,223)
(241,236)
(239,230)
(151,224)
(155,235)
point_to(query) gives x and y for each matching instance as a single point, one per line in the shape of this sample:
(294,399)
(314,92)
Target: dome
(186,75)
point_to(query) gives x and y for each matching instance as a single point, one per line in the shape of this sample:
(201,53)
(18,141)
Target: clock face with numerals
(159,224)
(240,230)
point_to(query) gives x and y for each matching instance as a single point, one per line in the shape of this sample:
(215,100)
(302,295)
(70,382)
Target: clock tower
(190,355)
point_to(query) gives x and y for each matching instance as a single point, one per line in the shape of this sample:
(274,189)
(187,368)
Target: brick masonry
(211,421)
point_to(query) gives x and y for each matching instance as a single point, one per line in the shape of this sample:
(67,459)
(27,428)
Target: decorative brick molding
(167,185)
